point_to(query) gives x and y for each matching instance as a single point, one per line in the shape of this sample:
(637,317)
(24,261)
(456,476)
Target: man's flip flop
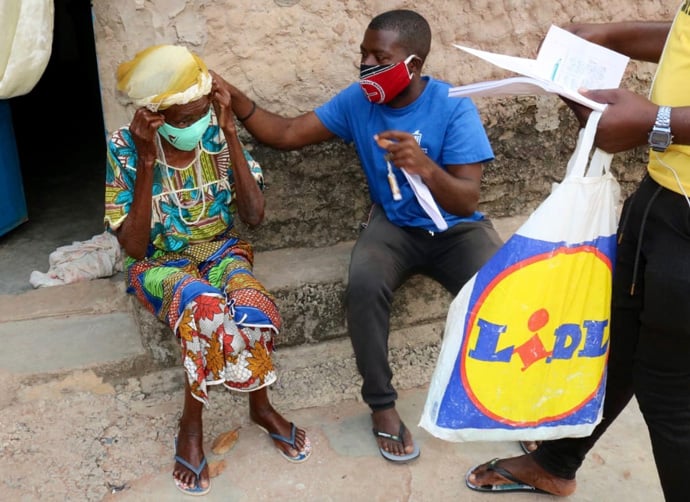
(515,484)
(398,459)
(196,489)
(302,455)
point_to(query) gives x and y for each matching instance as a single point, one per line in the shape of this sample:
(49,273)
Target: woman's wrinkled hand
(144,127)
(222,102)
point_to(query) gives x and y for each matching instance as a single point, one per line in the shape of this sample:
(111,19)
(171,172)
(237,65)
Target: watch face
(659,139)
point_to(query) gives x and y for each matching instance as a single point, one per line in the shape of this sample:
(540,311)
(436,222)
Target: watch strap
(660,136)
(663,117)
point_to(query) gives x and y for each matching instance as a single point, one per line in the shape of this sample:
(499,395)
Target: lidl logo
(536,324)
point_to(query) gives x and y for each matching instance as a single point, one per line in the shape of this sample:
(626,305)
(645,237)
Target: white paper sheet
(426,200)
(565,63)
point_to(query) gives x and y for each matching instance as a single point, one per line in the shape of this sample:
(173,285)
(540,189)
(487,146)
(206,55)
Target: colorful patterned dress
(197,275)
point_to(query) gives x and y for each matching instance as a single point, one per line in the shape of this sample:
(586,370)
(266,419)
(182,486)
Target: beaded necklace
(168,184)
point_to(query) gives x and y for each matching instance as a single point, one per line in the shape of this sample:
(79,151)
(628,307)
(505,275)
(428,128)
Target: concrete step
(96,327)
(309,286)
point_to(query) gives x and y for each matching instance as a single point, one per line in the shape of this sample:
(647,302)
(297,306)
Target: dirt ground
(81,439)
(84,440)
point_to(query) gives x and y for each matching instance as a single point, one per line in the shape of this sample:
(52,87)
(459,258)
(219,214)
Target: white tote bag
(526,339)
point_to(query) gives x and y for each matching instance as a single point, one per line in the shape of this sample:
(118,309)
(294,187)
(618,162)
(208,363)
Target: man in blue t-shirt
(422,153)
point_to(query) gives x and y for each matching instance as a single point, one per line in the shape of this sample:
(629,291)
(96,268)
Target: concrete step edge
(309,375)
(277,269)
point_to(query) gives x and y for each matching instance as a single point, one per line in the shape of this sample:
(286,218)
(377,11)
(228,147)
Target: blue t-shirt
(449,131)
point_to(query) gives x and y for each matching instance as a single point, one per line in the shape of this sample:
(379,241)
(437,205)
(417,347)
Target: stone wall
(292,55)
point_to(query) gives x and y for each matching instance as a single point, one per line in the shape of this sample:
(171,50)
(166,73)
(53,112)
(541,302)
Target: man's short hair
(414,33)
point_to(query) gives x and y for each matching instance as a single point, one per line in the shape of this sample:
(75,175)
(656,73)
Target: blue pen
(555,70)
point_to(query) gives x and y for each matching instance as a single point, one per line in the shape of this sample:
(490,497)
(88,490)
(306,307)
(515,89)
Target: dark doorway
(61,142)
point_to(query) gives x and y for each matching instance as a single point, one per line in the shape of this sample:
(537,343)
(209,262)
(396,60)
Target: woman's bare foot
(273,422)
(190,448)
(527,471)
(388,421)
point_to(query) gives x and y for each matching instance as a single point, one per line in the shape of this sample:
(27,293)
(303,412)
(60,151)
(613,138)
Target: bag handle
(600,163)
(601,160)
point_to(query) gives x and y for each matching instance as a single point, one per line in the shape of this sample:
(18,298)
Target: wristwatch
(660,136)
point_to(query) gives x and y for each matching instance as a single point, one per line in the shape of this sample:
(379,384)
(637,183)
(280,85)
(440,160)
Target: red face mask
(382,83)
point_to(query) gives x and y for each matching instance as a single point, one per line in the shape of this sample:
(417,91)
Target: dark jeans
(383,257)
(650,338)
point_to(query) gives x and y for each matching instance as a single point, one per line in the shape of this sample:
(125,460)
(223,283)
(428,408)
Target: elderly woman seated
(177,176)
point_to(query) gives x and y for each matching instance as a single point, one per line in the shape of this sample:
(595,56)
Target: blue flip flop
(515,484)
(196,489)
(302,454)
(398,459)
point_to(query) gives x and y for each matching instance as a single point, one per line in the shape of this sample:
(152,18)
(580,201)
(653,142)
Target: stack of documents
(565,64)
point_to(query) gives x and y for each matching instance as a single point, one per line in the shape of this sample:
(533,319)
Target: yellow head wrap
(162,76)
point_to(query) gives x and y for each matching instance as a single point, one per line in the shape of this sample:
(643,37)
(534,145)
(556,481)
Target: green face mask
(185,138)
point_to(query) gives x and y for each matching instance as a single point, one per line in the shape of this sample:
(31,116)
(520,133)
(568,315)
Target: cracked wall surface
(292,55)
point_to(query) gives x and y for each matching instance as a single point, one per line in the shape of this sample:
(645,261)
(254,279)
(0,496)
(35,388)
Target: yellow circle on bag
(538,337)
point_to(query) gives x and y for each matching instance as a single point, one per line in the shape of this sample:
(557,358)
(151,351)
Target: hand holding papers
(565,63)
(421,191)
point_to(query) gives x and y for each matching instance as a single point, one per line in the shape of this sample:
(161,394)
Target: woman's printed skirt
(224,319)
